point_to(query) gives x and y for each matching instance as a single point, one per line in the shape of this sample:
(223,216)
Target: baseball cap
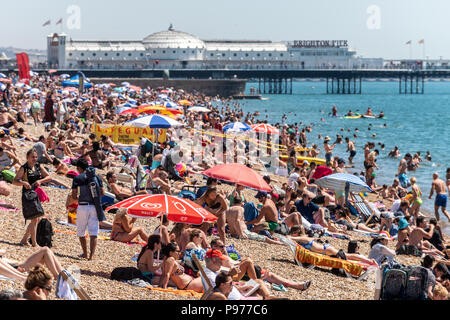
(212,253)
(261,194)
(340,160)
(402,224)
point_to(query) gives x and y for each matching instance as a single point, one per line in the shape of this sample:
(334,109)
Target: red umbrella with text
(155,205)
(240,174)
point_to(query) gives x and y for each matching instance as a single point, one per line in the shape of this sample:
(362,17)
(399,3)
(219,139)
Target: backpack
(126,274)
(44,233)
(8,176)
(407,283)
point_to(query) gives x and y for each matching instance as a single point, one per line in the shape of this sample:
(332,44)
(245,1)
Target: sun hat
(402,224)
(327,138)
(384,235)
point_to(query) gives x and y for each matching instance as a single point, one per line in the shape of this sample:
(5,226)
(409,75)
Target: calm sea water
(414,123)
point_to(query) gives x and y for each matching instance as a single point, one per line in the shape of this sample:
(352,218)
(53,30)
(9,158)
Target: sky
(375,28)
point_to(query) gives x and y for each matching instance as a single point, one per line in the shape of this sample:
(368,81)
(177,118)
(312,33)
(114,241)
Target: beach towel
(232,253)
(303,255)
(2,278)
(191,293)
(7,209)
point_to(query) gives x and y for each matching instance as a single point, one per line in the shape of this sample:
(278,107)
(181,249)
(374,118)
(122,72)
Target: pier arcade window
(118,54)
(94,54)
(174,51)
(246,54)
(106,54)
(129,54)
(270,54)
(281,54)
(235,54)
(223,54)
(164,51)
(70,54)
(82,54)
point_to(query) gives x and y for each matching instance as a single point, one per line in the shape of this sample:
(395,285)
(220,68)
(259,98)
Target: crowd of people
(297,209)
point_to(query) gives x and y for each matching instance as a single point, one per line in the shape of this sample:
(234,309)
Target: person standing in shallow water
(439,186)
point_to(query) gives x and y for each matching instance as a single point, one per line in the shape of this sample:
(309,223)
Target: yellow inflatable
(300,160)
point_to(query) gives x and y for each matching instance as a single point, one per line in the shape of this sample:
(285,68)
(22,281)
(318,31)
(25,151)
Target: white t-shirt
(396,205)
(234,294)
(293,178)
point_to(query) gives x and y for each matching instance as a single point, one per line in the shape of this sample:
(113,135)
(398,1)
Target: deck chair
(366,212)
(312,259)
(74,285)
(207,285)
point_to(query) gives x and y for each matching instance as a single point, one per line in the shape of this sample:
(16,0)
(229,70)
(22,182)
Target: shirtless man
(394,153)
(350,148)
(439,186)
(238,228)
(121,193)
(418,237)
(270,214)
(402,169)
(6,119)
(328,150)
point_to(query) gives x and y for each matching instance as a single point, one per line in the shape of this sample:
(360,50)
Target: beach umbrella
(65,76)
(2,87)
(151,109)
(155,205)
(236,127)
(265,128)
(129,111)
(171,104)
(2,75)
(125,84)
(339,181)
(185,103)
(240,174)
(199,109)
(154,122)
(121,109)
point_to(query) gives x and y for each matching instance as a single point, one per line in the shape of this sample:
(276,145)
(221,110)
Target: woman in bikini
(194,247)
(173,271)
(237,193)
(216,204)
(343,218)
(297,233)
(123,230)
(146,263)
(416,198)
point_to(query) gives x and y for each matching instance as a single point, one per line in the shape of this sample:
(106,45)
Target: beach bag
(72,174)
(416,285)
(8,176)
(44,233)
(394,284)
(32,207)
(126,274)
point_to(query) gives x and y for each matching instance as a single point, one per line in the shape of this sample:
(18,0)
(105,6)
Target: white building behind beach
(172,49)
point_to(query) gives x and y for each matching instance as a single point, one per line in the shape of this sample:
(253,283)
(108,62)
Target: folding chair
(207,285)
(363,207)
(74,285)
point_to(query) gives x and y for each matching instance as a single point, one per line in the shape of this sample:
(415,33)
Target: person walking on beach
(86,212)
(439,186)
(350,148)
(48,110)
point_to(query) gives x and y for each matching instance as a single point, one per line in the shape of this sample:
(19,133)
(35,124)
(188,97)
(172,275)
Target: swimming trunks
(352,153)
(403,178)
(441,200)
(308,246)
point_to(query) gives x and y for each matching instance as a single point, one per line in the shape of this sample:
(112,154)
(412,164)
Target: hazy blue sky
(398,21)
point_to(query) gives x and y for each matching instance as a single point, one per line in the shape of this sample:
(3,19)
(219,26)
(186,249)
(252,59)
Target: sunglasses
(49,288)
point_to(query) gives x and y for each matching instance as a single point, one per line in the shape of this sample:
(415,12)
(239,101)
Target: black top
(32,174)
(85,194)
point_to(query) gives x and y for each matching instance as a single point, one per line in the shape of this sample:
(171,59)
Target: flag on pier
(422,41)
(59,21)
(47,23)
(409,42)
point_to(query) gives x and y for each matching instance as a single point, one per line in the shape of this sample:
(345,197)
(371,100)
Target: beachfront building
(173,49)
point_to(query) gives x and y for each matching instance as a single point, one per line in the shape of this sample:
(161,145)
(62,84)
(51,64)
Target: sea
(414,122)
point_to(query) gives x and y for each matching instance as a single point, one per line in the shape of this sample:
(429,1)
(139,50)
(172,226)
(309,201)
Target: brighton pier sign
(320,43)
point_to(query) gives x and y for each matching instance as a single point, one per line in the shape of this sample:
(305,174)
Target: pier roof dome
(173,39)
